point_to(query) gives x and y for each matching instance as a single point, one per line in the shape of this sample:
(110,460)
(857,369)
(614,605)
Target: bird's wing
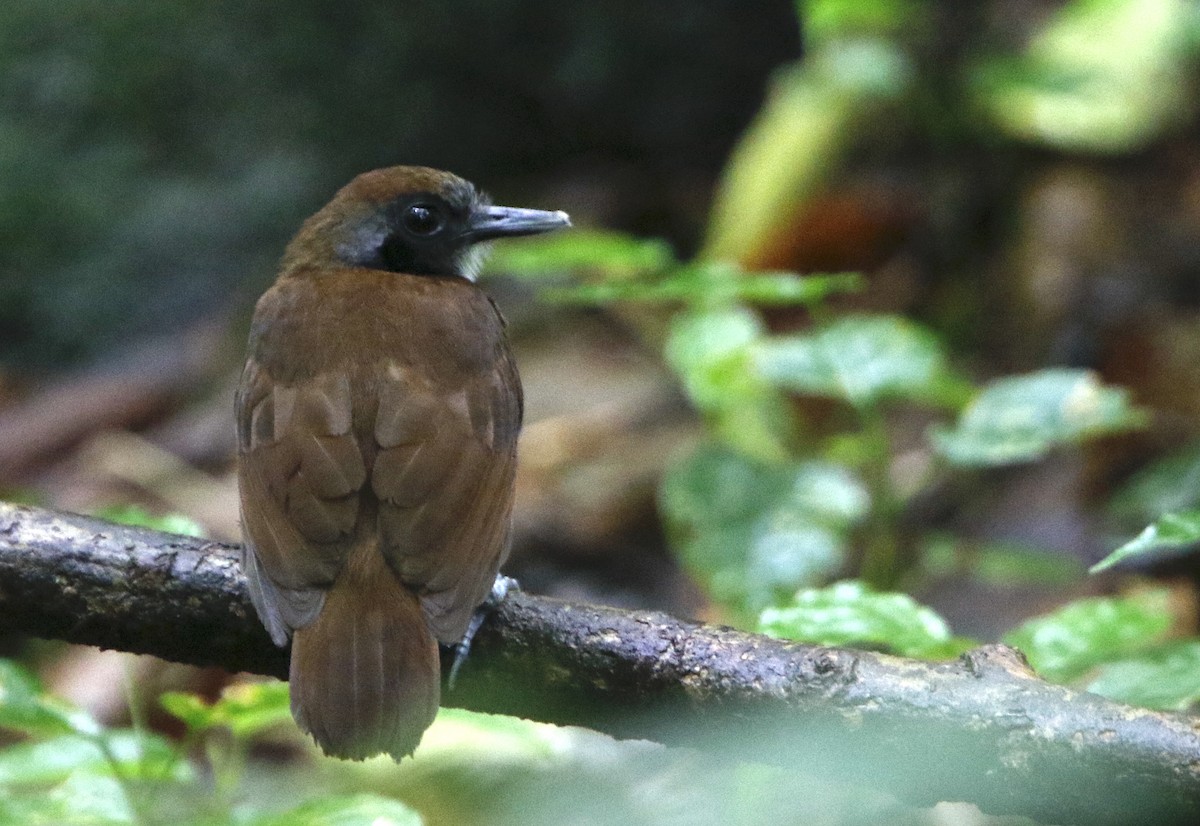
(443,475)
(299,471)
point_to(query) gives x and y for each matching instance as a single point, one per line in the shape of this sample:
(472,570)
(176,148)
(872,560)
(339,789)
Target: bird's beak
(500,222)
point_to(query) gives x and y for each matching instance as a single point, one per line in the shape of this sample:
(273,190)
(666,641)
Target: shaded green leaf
(1003,564)
(1083,634)
(1167,677)
(1007,565)
(1021,418)
(346,810)
(26,708)
(863,360)
(851,613)
(1172,530)
(1169,485)
(753,531)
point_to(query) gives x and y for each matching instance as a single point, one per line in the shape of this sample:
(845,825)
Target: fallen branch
(983,728)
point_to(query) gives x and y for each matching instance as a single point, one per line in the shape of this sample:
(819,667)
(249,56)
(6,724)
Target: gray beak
(499,222)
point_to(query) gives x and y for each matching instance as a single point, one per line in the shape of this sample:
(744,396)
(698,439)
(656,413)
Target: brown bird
(377,422)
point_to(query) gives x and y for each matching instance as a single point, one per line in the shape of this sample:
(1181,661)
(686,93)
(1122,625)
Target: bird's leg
(500,589)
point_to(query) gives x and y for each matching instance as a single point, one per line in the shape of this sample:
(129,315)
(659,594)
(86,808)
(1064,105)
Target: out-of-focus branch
(983,729)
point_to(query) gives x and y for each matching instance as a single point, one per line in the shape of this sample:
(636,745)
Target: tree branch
(983,728)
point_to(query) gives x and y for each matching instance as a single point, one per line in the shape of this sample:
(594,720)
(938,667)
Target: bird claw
(500,590)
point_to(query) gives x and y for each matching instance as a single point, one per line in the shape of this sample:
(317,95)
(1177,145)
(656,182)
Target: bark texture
(983,728)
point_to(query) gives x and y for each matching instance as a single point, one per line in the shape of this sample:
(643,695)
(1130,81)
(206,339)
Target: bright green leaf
(798,139)
(1021,418)
(244,708)
(862,360)
(710,352)
(87,798)
(40,762)
(139,517)
(850,613)
(612,253)
(712,284)
(346,810)
(1172,530)
(1166,677)
(1103,76)
(752,531)
(1083,634)
(827,20)
(196,714)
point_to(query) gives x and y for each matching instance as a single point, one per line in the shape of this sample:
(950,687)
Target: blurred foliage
(752,544)
(127,162)
(1170,530)
(1103,76)
(139,517)
(864,361)
(470,768)
(1002,564)
(851,614)
(1077,637)
(157,156)
(751,530)
(1021,418)
(68,769)
(769,508)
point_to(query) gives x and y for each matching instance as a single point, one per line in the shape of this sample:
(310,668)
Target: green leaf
(1104,76)
(83,798)
(612,253)
(1021,418)
(26,708)
(752,531)
(1166,677)
(139,517)
(863,360)
(245,709)
(712,284)
(1009,565)
(1003,564)
(1169,485)
(1172,530)
(346,810)
(851,613)
(138,754)
(1083,634)
(829,20)
(800,137)
(710,352)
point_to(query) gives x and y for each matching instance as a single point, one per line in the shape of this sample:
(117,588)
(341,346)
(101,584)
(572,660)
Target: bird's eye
(422,219)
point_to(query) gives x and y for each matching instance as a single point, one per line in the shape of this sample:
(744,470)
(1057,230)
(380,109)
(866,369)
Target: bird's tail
(365,676)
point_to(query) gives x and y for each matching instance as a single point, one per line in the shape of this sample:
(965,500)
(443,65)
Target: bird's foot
(500,590)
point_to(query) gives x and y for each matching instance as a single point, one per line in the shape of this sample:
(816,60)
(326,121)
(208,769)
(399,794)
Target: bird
(377,421)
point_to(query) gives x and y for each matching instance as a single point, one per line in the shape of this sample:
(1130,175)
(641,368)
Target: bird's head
(410,219)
